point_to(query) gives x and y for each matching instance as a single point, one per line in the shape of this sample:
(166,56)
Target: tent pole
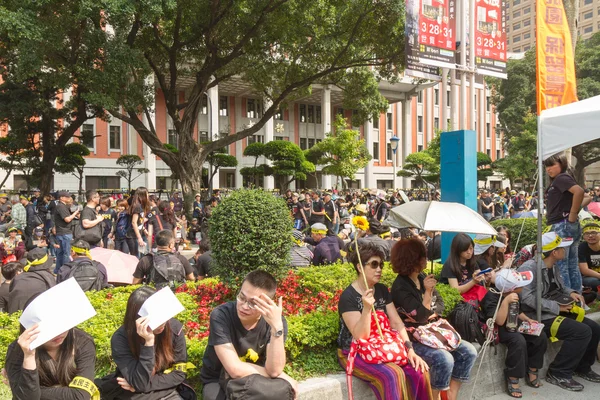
(538,254)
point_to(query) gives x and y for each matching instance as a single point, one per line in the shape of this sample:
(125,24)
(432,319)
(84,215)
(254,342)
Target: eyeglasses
(375,264)
(592,233)
(243,300)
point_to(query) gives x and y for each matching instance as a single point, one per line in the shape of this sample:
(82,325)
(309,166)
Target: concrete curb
(488,383)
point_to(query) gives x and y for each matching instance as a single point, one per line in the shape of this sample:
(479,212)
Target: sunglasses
(375,264)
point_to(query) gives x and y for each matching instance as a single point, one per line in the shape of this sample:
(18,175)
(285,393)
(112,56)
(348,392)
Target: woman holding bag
(415,298)
(402,380)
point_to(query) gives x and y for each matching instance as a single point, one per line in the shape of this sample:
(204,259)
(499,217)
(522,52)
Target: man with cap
(327,248)
(589,256)
(95,276)
(331,214)
(63,221)
(197,207)
(300,255)
(563,318)
(35,279)
(510,283)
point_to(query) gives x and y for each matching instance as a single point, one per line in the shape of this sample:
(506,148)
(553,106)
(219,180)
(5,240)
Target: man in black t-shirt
(589,256)
(63,220)
(109,216)
(90,219)
(487,205)
(317,214)
(331,214)
(246,337)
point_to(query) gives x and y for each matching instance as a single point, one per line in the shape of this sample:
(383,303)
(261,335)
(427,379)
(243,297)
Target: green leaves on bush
(529,234)
(250,229)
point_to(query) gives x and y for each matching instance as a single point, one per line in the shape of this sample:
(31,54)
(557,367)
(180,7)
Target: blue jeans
(569,266)
(63,253)
(446,365)
(591,282)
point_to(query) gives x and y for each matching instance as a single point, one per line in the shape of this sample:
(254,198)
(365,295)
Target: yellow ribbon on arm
(80,250)
(182,367)
(554,328)
(80,382)
(579,311)
(36,262)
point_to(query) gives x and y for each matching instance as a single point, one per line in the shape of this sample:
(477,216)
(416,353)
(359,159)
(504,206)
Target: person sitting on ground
(150,363)
(589,256)
(510,283)
(300,255)
(37,278)
(460,269)
(163,268)
(62,368)
(204,261)
(327,248)
(195,232)
(388,380)
(561,317)
(12,245)
(418,303)
(247,340)
(89,274)
(9,271)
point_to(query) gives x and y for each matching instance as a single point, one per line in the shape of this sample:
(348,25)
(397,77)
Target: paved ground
(552,392)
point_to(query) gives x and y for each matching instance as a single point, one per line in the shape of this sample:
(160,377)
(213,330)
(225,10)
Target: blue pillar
(458,174)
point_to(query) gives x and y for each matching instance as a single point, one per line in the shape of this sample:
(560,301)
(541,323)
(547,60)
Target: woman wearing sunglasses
(415,297)
(388,380)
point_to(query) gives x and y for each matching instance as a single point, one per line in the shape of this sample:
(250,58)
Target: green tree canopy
(288,161)
(72,161)
(130,162)
(421,166)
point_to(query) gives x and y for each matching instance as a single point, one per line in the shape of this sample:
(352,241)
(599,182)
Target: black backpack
(167,270)
(86,274)
(465,320)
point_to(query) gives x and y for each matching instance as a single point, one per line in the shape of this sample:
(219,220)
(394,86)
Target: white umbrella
(439,216)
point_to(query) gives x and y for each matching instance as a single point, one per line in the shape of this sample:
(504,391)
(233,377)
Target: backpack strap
(160,225)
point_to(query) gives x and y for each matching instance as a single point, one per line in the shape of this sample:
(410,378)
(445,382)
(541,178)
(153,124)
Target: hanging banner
(490,38)
(411,34)
(556,82)
(437,32)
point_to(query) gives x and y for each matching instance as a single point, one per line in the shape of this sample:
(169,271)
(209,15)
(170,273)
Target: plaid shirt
(19,215)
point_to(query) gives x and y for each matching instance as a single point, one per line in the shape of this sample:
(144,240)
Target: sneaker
(589,376)
(565,383)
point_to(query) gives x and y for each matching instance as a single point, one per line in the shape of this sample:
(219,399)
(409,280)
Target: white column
(369,181)
(471,23)
(149,157)
(239,152)
(213,125)
(442,102)
(406,137)
(454,93)
(326,126)
(269,181)
(462,10)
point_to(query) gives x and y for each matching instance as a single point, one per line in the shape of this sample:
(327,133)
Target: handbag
(437,335)
(375,349)
(256,387)
(92,235)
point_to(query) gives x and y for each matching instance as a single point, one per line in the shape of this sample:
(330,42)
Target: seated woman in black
(62,368)
(143,355)
(460,270)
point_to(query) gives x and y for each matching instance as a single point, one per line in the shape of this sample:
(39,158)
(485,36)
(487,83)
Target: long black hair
(60,371)
(460,243)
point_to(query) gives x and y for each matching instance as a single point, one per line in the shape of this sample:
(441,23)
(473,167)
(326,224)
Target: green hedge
(529,234)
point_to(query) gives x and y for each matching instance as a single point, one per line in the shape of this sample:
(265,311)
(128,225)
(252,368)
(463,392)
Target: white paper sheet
(57,310)
(161,307)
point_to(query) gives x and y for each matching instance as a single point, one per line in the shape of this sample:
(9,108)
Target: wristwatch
(408,344)
(277,333)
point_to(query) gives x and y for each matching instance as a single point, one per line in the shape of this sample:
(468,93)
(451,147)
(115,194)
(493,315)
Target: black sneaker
(589,376)
(568,384)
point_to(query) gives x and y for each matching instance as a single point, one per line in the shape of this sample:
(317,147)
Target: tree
(288,160)
(517,163)
(219,160)
(130,162)
(279,48)
(19,156)
(72,161)
(484,167)
(422,166)
(342,154)
(256,150)
(50,48)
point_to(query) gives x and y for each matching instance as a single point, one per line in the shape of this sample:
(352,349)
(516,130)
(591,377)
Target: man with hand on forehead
(246,344)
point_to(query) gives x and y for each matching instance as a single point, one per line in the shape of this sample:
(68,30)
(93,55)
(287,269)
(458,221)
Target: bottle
(512,318)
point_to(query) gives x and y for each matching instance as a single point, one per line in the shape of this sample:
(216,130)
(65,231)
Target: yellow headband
(485,242)
(318,231)
(385,234)
(299,242)
(36,262)
(552,245)
(591,228)
(79,250)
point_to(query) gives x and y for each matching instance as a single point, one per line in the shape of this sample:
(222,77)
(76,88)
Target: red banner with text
(437,32)
(490,38)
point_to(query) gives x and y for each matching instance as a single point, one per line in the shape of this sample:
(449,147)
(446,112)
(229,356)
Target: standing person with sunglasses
(245,353)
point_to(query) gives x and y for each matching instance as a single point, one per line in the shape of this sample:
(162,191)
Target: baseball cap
(484,242)
(301,197)
(551,241)
(64,193)
(508,279)
(319,228)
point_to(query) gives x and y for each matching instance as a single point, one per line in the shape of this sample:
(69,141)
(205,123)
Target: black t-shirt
(489,304)
(4,289)
(90,214)
(486,201)
(156,224)
(204,264)
(559,198)
(589,256)
(317,206)
(226,327)
(448,273)
(483,264)
(110,216)
(146,262)
(329,210)
(62,211)
(296,210)
(351,300)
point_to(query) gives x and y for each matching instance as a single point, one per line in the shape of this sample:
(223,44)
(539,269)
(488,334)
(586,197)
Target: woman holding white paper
(62,368)
(151,364)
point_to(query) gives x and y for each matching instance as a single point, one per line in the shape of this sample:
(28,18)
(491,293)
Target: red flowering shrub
(298,299)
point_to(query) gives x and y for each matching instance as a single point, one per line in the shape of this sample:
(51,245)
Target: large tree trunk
(47,173)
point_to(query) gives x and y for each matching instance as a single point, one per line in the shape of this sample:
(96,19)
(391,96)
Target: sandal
(512,391)
(535,383)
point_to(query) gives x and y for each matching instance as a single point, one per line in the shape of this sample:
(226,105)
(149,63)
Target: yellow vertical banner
(556,82)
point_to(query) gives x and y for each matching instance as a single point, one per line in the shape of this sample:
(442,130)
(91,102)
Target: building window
(587,2)
(526,10)
(311,114)
(526,48)
(420,97)
(516,26)
(311,143)
(389,121)
(376,122)
(420,147)
(389,153)
(223,106)
(516,14)
(302,112)
(517,39)
(204,106)
(278,114)
(489,153)
(516,2)
(508,29)
(340,111)
(497,154)
(588,29)
(527,22)
(303,143)
(488,130)
(87,135)
(475,126)
(318,114)
(172,137)
(419,124)
(278,137)
(203,137)
(487,103)
(256,139)
(115,138)
(517,49)
(526,35)
(475,105)
(436,123)
(376,150)
(588,15)
(448,124)
(447,98)
(253,108)
(436,97)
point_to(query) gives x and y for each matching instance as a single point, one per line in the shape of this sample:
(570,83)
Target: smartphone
(485,271)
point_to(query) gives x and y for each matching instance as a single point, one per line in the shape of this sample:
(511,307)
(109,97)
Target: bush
(250,229)
(529,234)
